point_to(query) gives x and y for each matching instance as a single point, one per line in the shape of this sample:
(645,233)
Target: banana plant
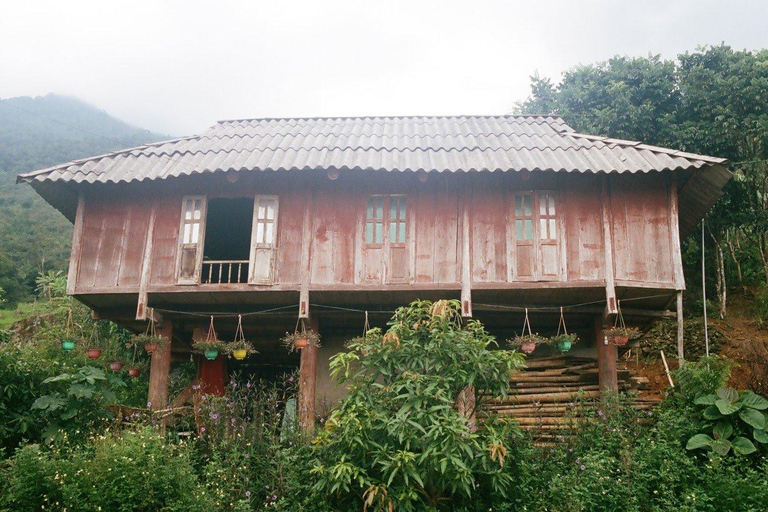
(736,419)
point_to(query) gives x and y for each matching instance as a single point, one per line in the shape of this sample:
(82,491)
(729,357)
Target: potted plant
(300,340)
(620,336)
(528,342)
(134,371)
(115,365)
(150,342)
(240,349)
(209,348)
(68,342)
(563,342)
(94,346)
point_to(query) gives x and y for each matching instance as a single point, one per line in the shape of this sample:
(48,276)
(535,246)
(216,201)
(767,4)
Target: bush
(132,470)
(398,440)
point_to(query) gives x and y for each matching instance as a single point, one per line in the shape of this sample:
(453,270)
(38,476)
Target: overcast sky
(178,66)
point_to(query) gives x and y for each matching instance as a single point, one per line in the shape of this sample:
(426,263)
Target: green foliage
(711,101)
(734,418)
(130,470)
(80,399)
(398,439)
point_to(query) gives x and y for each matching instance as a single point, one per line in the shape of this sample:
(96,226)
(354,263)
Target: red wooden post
(308,385)
(606,359)
(160,369)
(211,374)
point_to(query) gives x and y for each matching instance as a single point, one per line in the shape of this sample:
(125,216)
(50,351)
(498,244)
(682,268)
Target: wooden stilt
(308,384)
(606,360)
(160,369)
(680,347)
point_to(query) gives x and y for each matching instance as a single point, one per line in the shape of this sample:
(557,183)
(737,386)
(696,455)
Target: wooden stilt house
(324,219)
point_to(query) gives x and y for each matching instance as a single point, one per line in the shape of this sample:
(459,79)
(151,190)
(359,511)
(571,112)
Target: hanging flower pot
(134,372)
(115,366)
(68,345)
(300,340)
(563,342)
(211,345)
(528,346)
(240,348)
(94,353)
(620,336)
(150,347)
(527,341)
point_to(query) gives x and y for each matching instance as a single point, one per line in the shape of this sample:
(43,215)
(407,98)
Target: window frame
(552,214)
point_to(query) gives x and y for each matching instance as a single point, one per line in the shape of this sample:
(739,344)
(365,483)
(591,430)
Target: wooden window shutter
(397,237)
(263,240)
(548,239)
(191,237)
(524,230)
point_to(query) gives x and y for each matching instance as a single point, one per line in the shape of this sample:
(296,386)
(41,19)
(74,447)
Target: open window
(536,236)
(227,241)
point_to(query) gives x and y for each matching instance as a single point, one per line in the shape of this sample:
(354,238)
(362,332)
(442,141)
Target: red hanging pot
(301,343)
(150,347)
(528,347)
(115,366)
(134,372)
(94,353)
(620,341)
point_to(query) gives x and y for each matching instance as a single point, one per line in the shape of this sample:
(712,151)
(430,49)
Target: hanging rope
(618,322)
(239,335)
(562,323)
(366,325)
(527,323)
(211,336)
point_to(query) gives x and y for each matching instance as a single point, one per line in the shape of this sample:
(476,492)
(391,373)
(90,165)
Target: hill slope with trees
(37,133)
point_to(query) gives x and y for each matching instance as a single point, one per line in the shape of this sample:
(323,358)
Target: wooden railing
(224,272)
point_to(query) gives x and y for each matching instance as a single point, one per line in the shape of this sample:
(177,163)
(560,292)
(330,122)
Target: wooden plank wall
(114,231)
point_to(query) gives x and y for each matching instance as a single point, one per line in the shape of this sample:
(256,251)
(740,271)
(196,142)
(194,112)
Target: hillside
(36,133)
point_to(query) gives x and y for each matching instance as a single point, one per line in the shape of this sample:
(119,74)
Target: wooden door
(263,236)
(525,251)
(189,261)
(547,237)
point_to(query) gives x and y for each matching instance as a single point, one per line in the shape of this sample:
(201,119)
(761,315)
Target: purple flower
(214,415)
(578,461)
(248,385)
(600,413)
(149,404)
(248,493)
(246,479)
(583,467)
(290,379)
(202,429)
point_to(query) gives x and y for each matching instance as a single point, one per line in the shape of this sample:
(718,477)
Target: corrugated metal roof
(431,144)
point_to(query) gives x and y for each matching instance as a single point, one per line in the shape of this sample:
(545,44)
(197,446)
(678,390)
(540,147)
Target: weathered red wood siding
(115,230)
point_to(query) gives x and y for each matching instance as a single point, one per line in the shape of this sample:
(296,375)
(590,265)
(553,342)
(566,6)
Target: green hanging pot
(211,354)
(563,346)
(68,345)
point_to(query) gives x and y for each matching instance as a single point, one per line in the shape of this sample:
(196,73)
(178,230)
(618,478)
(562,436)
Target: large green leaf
(712,413)
(754,401)
(728,394)
(743,446)
(725,407)
(753,418)
(721,447)
(706,400)
(699,441)
(760,436)
(722,430)
(50,402)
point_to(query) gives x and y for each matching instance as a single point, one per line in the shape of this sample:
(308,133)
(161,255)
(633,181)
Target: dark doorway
(227,240)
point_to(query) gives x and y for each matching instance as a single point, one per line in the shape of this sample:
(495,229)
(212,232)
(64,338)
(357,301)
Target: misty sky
(178,66)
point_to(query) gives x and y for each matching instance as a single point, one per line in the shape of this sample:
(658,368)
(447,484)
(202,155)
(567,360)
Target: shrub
(398,440)
(132,470)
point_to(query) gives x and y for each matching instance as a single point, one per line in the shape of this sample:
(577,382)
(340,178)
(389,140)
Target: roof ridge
(306,118)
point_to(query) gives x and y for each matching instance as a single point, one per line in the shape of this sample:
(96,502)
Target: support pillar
(308,384)
(607,355)
(680,331)
(160,369)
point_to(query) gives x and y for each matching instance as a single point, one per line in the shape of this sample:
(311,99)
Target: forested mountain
(36,133)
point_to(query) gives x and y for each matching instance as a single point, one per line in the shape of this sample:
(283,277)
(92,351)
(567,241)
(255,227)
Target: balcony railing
(224,272)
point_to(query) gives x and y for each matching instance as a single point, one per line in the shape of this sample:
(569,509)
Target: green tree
(399,439)
(712,101)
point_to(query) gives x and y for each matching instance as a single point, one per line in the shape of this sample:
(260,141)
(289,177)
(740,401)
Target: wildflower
(248,494)
(149,404)
(600,413)
(583,467)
